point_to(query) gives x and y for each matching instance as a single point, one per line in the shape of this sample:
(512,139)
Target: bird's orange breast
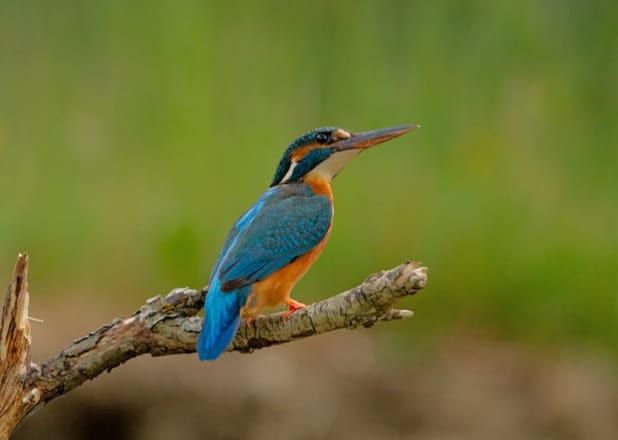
(275,289)
(319,185)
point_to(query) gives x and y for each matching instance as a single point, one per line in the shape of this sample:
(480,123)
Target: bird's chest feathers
(275,289)
(319,184)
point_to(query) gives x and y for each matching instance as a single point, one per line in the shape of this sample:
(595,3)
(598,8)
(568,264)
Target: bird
(274,243)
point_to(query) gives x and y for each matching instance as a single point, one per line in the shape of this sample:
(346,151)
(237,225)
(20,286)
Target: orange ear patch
(300,153)
(337,135)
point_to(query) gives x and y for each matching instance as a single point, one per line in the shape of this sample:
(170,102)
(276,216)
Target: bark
(168,325)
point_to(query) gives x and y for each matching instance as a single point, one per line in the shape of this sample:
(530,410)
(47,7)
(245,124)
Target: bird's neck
(319,184)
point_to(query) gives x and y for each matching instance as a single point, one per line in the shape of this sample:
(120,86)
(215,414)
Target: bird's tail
(221,320)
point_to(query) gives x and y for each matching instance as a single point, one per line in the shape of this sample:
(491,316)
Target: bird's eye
(322,138)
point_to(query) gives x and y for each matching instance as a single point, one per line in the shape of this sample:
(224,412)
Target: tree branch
(16,398)
(168,325)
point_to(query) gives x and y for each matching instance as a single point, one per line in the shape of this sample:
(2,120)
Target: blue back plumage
(286,222)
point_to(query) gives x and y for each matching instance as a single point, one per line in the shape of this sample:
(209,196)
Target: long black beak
(370,138)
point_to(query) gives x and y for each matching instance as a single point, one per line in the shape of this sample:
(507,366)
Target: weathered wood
(164,326)
(17,398)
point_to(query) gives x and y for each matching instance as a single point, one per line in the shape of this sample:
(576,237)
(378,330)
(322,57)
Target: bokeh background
(133,134)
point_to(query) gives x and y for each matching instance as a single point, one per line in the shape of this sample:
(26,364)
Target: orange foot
(292,307)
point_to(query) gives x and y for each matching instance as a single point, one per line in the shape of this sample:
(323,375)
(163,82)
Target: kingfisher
(275,242)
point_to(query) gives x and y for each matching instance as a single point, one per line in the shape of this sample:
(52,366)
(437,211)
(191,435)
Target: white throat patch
(335,163)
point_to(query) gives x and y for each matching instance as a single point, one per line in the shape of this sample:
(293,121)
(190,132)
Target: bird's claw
(251,320)
(293,306)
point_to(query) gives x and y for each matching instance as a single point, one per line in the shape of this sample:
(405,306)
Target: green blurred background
(133,134)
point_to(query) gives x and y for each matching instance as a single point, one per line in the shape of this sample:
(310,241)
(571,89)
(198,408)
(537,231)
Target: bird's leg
(251,311)
(293,306)
(250,320)
(250,315)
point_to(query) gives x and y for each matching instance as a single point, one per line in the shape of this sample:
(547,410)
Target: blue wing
(286,222)
(278,233)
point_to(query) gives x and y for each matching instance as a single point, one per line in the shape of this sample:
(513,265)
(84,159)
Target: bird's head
(325,151)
